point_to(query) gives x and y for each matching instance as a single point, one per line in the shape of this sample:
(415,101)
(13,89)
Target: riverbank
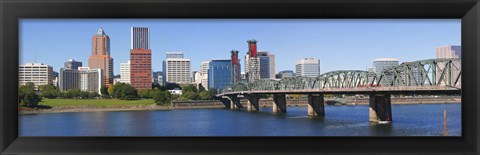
(99,105)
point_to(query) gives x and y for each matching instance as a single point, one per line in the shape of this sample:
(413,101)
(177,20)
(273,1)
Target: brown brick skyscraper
(140,58)
(100,58)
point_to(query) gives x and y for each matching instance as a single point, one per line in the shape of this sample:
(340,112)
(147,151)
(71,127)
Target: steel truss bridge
(432,76)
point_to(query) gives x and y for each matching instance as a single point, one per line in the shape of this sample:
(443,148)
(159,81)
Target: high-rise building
(90,79)
(100,57)
(125,72)
(219,74)
(381,64)
(72,64)
(140,59)
(285,74)
(83,78)
(204,70)
(236,69)
(309,67)
(450,51)
(252,62)
(267,65)
(140,38)
(177,70)
(36,73)
(68,79)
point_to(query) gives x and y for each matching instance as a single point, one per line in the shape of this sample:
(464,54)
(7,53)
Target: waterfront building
(83,78)
(125,72)
(140,58)
(55,78)
(267,65)
(308,67)
(285,74)
(177,70)
(117,80)
(72,64)
(450,51)
(252,62)
(219,74)
(204,71)
(100,57)
(381,64)
(160,79)
(68,79)
(36,73)
(90,79)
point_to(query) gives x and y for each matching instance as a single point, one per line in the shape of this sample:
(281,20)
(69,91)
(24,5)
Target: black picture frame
(13,10)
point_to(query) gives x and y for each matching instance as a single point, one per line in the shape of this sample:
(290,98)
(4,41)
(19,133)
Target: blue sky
(340,44)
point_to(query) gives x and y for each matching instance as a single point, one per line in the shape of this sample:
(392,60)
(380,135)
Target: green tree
(204,95)
(104,92)
(171,86)
(31,99)
(201,88)
(162,97)
(189,89)
(111,89)
(189,95)
(49,91)
(144,93)
(123,91)
(73,93)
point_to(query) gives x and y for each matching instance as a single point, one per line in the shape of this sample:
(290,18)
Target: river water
(408,120)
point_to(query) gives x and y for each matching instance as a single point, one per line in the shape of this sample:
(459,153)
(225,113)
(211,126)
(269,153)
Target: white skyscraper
(204,72)
(177,70)
(309,67)
(125,72)
(37,73)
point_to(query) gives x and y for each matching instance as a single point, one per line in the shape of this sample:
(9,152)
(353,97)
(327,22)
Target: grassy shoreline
(100,105)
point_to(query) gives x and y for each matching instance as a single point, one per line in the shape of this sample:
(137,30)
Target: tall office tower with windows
(125,72)
(72,64)
(219,74)
(140,58)
(100,57)
(267,65)
(309,67)
(252,62)
(37,73)
(447,52)
(204,71)
(177,70)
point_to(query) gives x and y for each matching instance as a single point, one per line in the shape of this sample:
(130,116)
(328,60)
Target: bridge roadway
(380,98)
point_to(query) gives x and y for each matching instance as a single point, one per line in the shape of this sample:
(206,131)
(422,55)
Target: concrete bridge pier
(234,102)
(316,105)
(380,108)
(279,103)
(252,104)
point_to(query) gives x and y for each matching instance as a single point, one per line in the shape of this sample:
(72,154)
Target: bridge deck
(359,90)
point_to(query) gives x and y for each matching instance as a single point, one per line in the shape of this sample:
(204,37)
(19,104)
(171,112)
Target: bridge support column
(226,102)
(253,103)
(316,105)
(234,102)
(380,107)
(279,103)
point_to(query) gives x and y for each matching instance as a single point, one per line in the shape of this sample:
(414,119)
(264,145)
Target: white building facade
(125,72)
(36,73)
(309,67)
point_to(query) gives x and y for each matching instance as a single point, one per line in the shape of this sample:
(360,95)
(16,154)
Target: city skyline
(191,38)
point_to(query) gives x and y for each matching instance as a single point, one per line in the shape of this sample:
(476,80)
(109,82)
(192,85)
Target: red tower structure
(253,62)
(235,75)
(252,48)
